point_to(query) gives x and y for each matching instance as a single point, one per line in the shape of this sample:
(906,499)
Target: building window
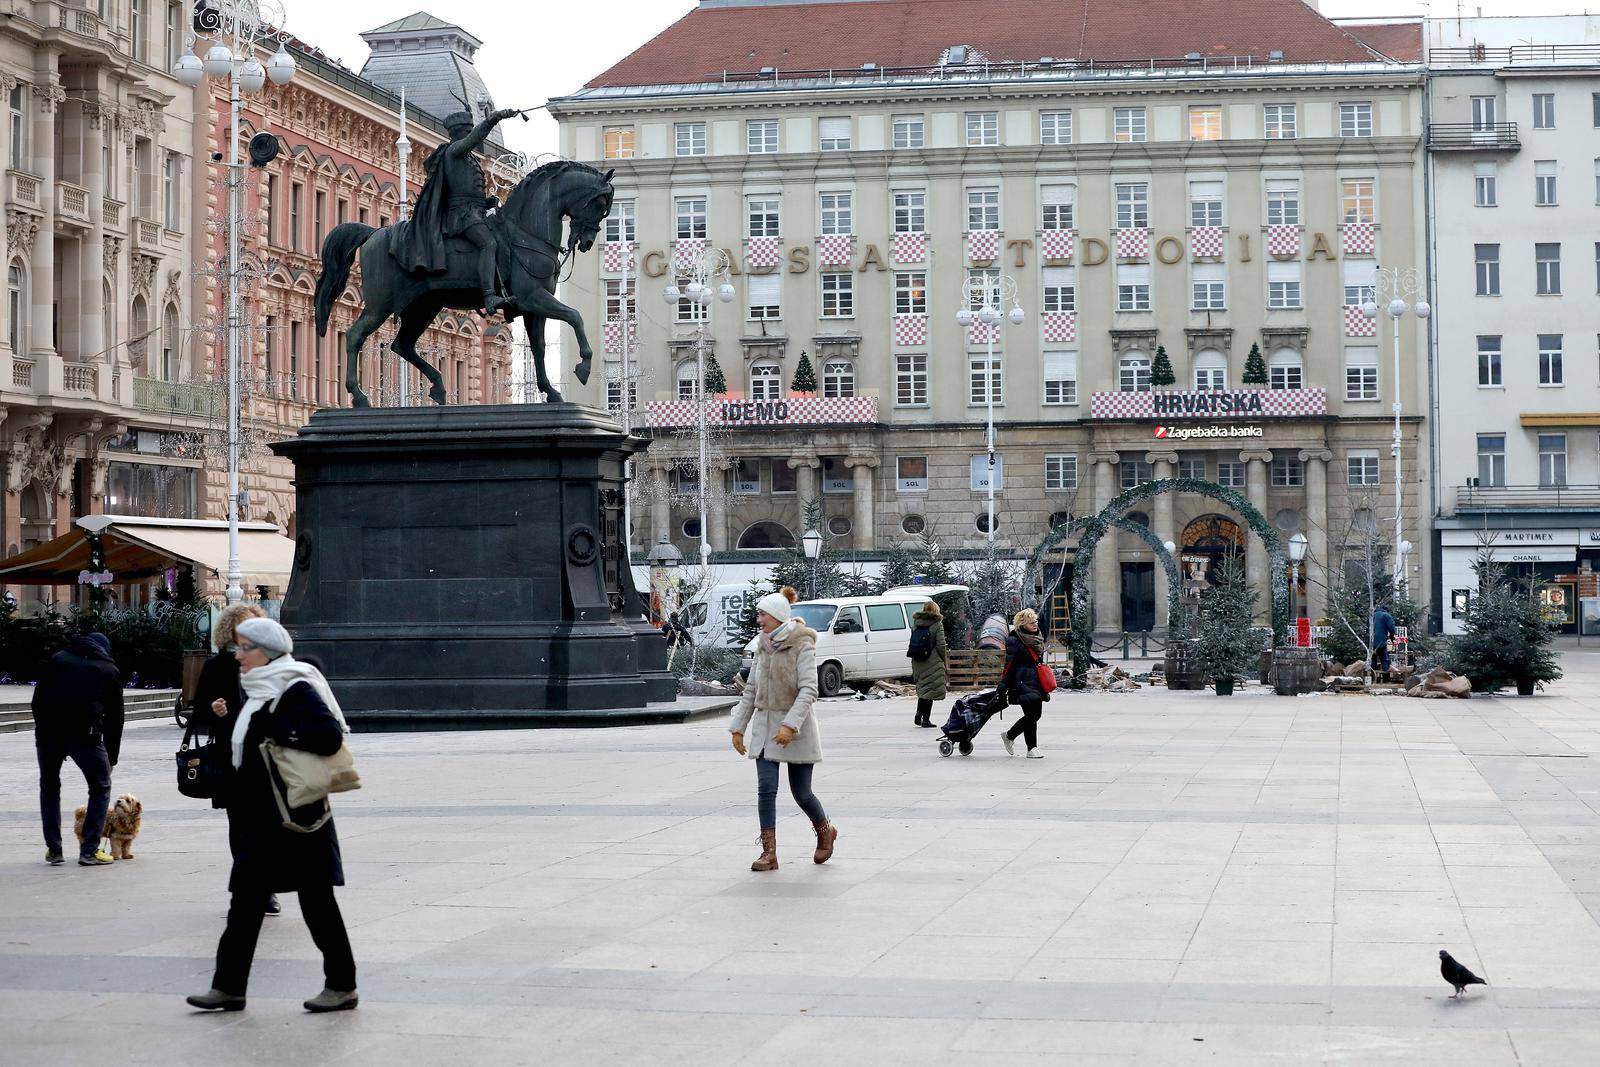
(1210,371)
(1597,181)
(1356,201)
(1060,378)
(1288,472)
(691,216)
(691,138)
(985,388)
(983,209)
(981,284)
(978,476)
(911,474)
(1483,184)
(1283,285)
(1484,109)
(1133,373)
(172,191)
(15,105)
(983,128)
(1283,202)
(1285,370)
(1055,127)
(911,293)
(1060,290)
(1361,373)
(1192,468)
(689,309)
(1133,205)
(1134,472)
(838,378)
(1544,111)
(1278,121)
(1230,475)
(834,134)
(1544,182)
(1056,206)
(907,131)
(1492,460)
(622,225)
(1550,359)
(614,308)
(1360,282)
(1133,287)
(910,211)
(838,295)
(766,296)
(139,32)
(1129,125)
(1547,265)
(17,307)
(1486,265)
(688,381)
(1205,123)
(1355,119)
(297,193)
(614,399)
(1208,287)
(911,381)
(617,142)
(766,381)
(1061,474)
(1489,362)
(1362,468)
(761,136)
(1205,204)
(1594,103)
(838,214)
(319,218)
(1552,461)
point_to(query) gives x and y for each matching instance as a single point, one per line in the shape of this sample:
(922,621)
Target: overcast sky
(533,51)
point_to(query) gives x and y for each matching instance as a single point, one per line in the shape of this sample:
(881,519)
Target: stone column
(1163,464)
(1256,569)
(861,467)
(1317,561)
(806,469)
(92,259)
(1107,569)
(718,493)
(44,99)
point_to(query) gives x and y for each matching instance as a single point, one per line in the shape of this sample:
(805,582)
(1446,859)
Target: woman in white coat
(777,712)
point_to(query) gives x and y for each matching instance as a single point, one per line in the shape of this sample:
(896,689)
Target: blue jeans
(90,756)
(799,785)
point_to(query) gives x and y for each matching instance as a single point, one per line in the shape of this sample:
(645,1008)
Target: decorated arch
(1035,574)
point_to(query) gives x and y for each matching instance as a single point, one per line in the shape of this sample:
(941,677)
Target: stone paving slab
(1181,879)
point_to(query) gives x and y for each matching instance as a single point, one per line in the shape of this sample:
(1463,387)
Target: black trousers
(924,708)
(1028,725)
(237,949)
(90,756)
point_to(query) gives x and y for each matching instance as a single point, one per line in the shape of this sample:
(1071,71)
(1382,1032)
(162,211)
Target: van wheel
(830,679)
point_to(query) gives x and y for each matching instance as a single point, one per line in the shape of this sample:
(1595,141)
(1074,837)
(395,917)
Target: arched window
(767,535)
(688,382)
(1133,373)
(17,307)
(766,381)
(1210,370)
(138,343)
(108,300)
(169,344)
(839,378)
(1286,370)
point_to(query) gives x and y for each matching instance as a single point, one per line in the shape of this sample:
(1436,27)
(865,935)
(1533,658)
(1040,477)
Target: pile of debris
(1111,680)
(1438,684)
(708,687)
(885,690)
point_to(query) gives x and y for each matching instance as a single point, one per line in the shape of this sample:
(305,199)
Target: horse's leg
(413,321)
(538,302)
(372,317)
(534,324)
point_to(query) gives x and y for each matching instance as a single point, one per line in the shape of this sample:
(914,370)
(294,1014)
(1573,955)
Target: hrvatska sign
(1203,405)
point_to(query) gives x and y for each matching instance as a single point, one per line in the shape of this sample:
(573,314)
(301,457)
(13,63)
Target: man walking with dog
(77,715)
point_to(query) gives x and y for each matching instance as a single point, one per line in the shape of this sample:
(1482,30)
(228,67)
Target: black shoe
(53,857)
(332,1000)
(216,1000)
(273,907)
(98,858)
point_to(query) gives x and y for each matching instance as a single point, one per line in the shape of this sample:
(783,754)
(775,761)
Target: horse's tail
(338,252)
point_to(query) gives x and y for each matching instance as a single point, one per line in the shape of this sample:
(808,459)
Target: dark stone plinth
(468,565)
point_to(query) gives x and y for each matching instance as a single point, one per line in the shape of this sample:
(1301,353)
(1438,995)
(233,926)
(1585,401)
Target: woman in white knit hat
(777,712)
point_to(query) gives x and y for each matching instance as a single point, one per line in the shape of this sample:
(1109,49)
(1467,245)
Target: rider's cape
(418,243)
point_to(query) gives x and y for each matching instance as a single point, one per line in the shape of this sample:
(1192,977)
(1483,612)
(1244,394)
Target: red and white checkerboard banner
(615,254)
(1133,244)
(686,253)
(1060,326)
(1205,242)
(835,249)
(1356,323)
(911,331)
(1232,405)
(908,247)
(983,246)
(1058,244)
(1360,238)
(981,334)
(1283,241)
(763,252)
(613,335)
(796,409)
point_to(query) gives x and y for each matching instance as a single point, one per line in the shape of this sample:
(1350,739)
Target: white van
(864,638)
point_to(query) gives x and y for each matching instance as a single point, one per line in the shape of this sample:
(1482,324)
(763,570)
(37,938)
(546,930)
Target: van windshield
(817,616)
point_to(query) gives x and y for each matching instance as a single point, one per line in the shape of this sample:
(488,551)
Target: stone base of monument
(466,567)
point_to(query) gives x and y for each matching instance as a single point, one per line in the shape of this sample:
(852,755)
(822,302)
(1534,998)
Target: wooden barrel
(1181,666)
(1296,671)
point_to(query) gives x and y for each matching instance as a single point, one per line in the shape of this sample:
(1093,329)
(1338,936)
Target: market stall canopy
(139,548)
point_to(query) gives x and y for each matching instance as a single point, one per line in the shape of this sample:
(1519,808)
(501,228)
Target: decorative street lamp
(983,298)
(811,544)
(704,274)
(248,24)
(1297,555)
(1397,283)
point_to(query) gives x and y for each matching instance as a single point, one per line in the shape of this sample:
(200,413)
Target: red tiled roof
(913,33)
(1400,41)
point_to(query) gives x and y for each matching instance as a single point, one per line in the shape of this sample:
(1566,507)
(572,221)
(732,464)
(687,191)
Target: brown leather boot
(827,834)
(768,860)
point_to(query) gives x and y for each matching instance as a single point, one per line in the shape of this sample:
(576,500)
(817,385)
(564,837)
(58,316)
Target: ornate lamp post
(811,543)
(983,298)
(1297,555)
(1397,283)
(248,24)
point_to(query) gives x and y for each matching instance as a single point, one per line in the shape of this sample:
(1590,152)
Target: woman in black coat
(290,703)
(1024,653)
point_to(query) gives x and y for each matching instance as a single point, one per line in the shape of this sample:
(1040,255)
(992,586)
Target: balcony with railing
(173,398)
(147,236)
(111,214)
(72,203)
(1483,498)
(22,374)
(1478,55)
(1473,137)
(80,379)
(22,190)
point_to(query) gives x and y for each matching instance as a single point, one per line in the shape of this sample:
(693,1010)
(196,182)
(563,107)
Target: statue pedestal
(467,567)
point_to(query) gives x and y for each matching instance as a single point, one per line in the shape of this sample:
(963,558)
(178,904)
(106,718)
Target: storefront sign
(1534,555)
(1194,433)
(799,409)
(1502,539)
(1202,404)
(1589,538)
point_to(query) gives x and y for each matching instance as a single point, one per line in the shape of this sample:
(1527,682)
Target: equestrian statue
(462,249)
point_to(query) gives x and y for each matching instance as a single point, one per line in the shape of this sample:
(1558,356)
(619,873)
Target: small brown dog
(123,822)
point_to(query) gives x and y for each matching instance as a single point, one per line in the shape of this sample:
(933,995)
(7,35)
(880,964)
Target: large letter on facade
(1095,251)
(1319,243)
(659,269)
(799,259)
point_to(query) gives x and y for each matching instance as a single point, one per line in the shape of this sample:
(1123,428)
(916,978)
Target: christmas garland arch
(1034,576)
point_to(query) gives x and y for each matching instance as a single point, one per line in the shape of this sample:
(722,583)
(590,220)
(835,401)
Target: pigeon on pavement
(1456,974)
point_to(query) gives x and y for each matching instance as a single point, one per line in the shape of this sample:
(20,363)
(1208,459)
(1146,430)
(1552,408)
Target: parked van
(864,638)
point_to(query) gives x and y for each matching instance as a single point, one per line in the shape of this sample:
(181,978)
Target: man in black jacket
(77,715)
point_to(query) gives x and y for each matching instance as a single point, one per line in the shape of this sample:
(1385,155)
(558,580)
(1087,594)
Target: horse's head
(586,206)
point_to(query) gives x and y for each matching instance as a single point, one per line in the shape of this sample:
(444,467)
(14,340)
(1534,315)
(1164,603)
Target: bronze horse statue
(531,253)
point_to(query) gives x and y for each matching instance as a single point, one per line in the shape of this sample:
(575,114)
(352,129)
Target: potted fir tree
(716,384)
(805,379)
(1506,638)
(1255,368)
(1226,645)
(1161,374)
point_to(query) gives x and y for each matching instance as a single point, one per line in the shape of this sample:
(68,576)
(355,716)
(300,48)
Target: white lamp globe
(252,75)
(692,290)
(727,293)
(189,70)
(706,295)
(1397,308)
(964,316)
(1016,316)
(281,67)
(218,62)
(1370,309)
(1423,309)
(671,294)
(988,316)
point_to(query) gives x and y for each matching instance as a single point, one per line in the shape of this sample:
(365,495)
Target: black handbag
(202,766)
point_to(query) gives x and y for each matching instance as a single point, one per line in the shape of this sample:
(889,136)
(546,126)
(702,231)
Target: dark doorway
(1138,597)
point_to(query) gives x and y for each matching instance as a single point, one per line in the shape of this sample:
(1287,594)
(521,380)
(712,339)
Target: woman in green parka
(929,672)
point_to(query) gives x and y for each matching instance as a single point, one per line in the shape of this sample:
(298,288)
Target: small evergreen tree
(716,384)
(805,379)
(745,626)
(1161,370)
(1507,638)
(1225,643)
(899,568)
(991,590)
(936,570)
(821,577)
(1255,368)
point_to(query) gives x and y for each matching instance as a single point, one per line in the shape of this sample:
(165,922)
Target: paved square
(1183,878)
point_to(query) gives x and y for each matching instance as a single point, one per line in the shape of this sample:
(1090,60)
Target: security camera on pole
(1398,283)
(249,24)
(983,298)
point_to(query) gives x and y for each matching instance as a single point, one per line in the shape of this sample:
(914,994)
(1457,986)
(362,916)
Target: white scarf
(781,633)
(267,683)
